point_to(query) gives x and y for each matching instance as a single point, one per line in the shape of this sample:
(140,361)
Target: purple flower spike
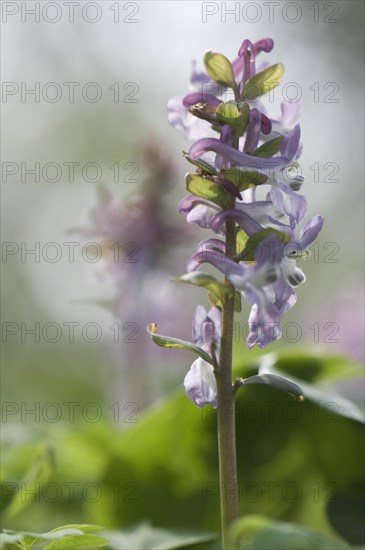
(265,266)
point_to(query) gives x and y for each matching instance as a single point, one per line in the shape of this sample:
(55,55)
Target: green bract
(234,115)
(205,188)
(198,278)
(244,179)
(219,68)
(169,342)
(263,82)
(269,148)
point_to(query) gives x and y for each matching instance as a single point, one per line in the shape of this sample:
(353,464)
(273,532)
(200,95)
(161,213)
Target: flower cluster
(247,174)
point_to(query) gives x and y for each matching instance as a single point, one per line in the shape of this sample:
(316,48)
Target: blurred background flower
(142,247)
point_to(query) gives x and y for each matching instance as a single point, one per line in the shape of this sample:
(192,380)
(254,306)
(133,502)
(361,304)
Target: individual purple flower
(200,383)
(288,252)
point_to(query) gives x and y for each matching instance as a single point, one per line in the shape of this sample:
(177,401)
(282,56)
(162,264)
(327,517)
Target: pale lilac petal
(288,118)
(264,319)
(200,384)
(227,266)
(200,97)
(198,77)
(179,117)
(290,144)
(198,319)
(290,112)
(215,314)
(176,112)
(288,201)
(245,221)
(289,150)
(285,296)
(211,244)
(310,231)
(202,215)
(189,202)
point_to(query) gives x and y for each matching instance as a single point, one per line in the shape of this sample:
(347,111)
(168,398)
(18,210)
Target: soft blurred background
(147,461)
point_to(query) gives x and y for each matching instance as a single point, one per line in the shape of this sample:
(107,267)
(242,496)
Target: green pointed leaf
(235,115)
(263,82)
(210,283)
(204,166)
(259,532)
(339,405)
(278,382)
(254,241)
(219,68)
(207,189)
(34,480)
(169,342)
(244,179)
(270,148)
(74,542)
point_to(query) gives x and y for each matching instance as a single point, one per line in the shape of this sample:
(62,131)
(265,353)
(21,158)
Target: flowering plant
(245,188)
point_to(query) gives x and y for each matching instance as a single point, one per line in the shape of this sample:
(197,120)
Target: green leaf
(346,511)
(263,82)
(235,115)
(29,540)
(204,166)
(34,479)
(169,342)
(219,68)
(74,542)
(218,291)
(244,179)
(278,382)
(254,241)
(207,189)
(210,283)
(269,148)
(259,532)
(339,405)
(152,538)
(84,527)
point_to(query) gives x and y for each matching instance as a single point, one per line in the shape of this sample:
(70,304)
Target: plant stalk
(226,410)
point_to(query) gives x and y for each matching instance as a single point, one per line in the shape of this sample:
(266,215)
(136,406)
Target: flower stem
(226,410)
